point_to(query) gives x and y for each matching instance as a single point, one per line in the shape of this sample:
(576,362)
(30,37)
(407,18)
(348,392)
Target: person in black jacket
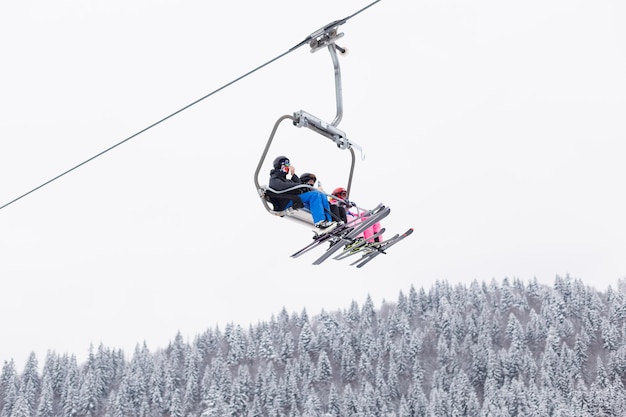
(314,200)
(338,212)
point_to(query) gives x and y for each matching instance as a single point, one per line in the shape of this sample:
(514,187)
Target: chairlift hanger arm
(326,37)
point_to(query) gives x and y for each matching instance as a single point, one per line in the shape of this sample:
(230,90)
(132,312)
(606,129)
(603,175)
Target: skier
(338,213)
(314,200)
(310,179)
(340,201)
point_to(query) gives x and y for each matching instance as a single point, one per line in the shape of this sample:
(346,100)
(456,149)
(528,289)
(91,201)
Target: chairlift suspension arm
(338,90)
(326,37)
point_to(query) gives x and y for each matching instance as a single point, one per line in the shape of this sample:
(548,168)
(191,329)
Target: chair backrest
(279,201)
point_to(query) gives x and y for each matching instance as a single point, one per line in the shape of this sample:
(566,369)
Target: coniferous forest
(488,349)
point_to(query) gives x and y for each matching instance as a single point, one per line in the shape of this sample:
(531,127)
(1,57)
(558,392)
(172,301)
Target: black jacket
(279,182)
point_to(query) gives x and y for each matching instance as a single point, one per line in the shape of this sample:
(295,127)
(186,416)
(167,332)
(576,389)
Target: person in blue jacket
(314,200)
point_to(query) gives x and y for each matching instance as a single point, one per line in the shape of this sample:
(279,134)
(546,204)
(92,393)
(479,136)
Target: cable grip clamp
(324,37)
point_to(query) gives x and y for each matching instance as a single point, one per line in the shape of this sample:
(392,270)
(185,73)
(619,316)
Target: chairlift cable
(306,40)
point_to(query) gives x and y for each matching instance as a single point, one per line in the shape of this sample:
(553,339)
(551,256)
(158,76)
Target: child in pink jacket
(341,201)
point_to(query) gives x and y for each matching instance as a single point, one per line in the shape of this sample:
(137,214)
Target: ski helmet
(338,191)
(306,177)
(280,161)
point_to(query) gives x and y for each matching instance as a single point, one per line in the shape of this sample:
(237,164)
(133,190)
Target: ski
(352,222)
(349,237)
(330,236)
(319,239)
(334,235)
(375,248)
(381,248)
(356,247)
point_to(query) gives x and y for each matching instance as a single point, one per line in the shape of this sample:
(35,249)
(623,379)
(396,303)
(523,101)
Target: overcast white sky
(495,129)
